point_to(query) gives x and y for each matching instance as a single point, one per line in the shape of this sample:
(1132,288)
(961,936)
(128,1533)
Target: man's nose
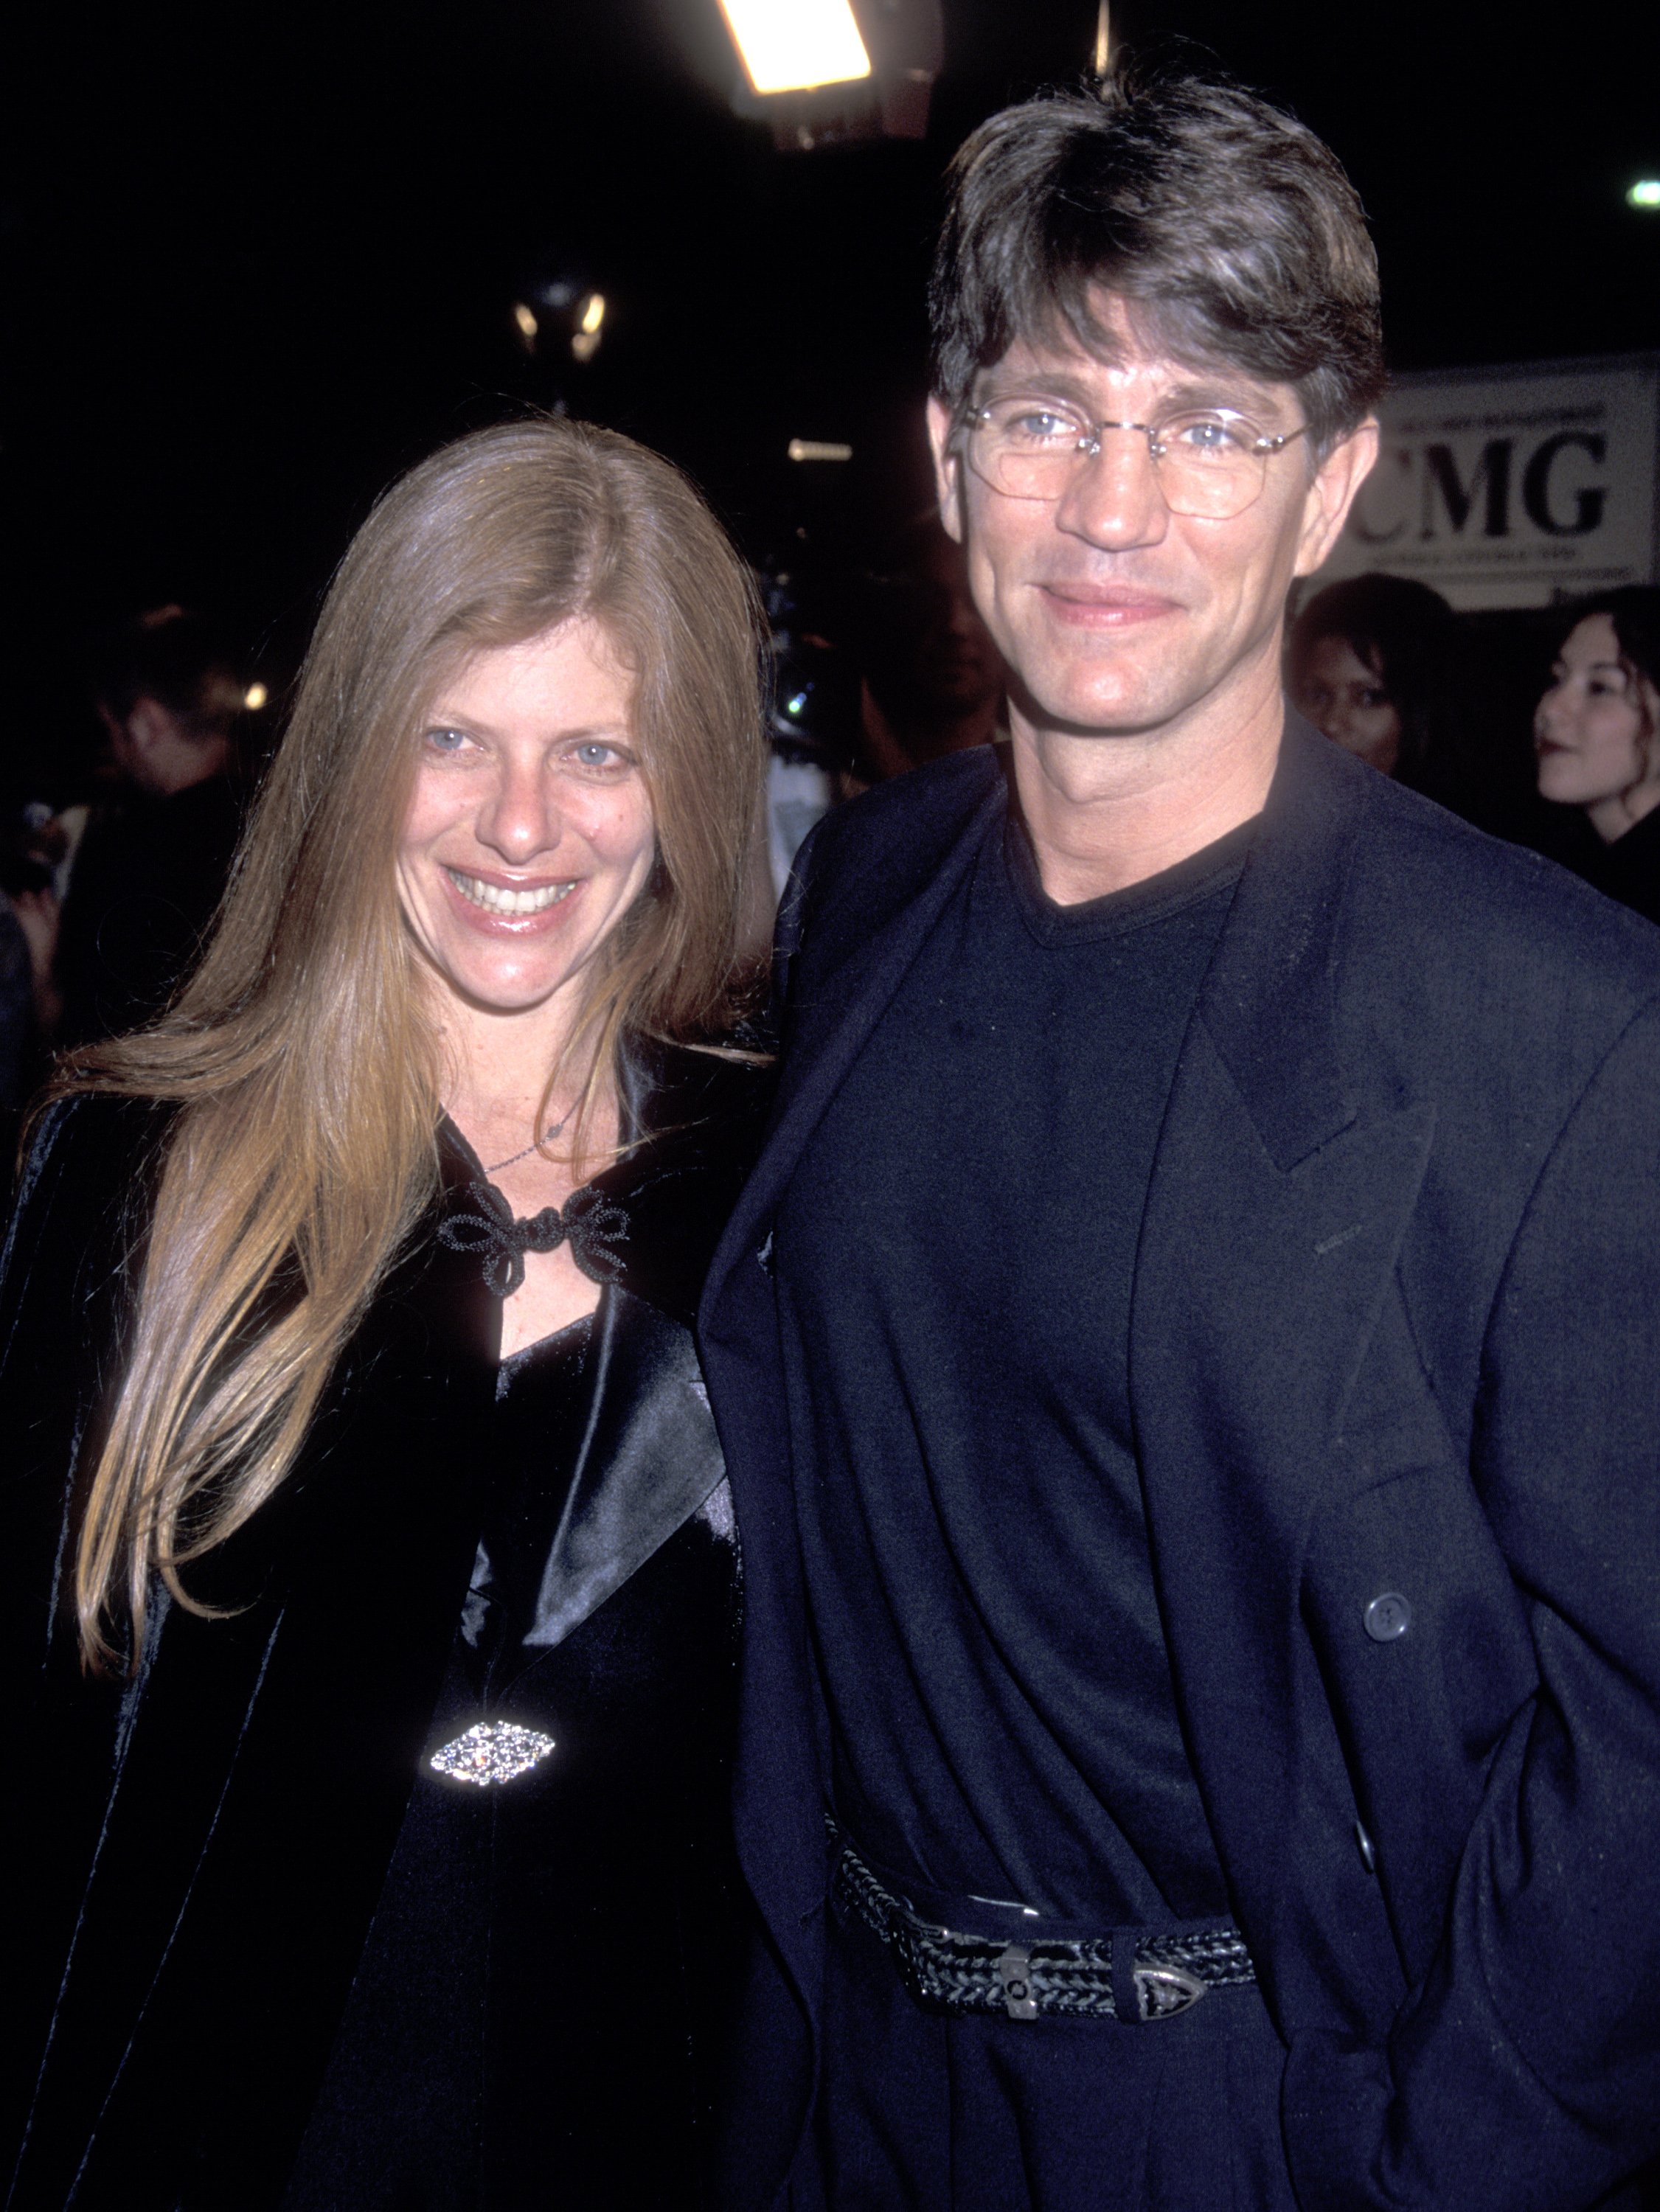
(1113,499)
(521,817)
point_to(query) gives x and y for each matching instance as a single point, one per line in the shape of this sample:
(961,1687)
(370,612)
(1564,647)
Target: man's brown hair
(1228,223)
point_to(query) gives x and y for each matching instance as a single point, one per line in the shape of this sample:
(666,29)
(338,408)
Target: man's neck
(1105,811)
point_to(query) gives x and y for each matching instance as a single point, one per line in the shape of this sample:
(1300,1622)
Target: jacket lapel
(1274,1219)
(853,980)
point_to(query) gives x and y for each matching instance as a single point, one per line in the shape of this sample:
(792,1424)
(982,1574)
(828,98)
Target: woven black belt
(1103,1976)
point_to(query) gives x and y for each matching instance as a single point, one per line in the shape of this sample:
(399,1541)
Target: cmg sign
(1514,486)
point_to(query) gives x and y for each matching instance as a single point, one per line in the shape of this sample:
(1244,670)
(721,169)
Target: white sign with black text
(1514,486)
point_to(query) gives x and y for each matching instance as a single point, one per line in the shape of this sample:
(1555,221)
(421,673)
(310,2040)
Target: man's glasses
(1211,463)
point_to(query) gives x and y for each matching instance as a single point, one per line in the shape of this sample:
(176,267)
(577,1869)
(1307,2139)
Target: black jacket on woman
(195,1852)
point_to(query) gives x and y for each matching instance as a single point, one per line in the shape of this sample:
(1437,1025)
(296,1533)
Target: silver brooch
(491,1751)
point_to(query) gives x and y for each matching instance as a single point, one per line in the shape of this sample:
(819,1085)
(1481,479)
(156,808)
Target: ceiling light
(789,46)
(526,322)
(255,697)
(1645,193)
(818,449)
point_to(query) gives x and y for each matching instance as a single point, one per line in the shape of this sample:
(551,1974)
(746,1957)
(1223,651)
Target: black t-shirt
(956,1257)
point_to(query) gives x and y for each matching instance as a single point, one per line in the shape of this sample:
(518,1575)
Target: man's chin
(1087,713)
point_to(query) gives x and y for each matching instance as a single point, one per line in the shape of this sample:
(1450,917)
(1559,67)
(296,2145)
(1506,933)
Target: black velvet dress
(538,2015)
(537,2018)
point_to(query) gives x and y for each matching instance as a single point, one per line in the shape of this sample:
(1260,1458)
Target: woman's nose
(521,817)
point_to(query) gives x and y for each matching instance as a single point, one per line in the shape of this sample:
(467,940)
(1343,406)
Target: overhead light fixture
(818,449)
(255,697)
(1645,193)
(527,321)
(791,46)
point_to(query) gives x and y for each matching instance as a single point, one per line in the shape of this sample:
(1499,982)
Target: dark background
(255,258)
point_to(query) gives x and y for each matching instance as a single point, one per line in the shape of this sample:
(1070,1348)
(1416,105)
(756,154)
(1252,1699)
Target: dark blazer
(193,1855)
(1396,1330)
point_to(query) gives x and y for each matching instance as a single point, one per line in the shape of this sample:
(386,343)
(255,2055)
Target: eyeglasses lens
(1027,456)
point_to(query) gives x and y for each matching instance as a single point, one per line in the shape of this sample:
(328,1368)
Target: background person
(151,866)
(933,680)
(1597,733)
(385,1689)
(1375,663)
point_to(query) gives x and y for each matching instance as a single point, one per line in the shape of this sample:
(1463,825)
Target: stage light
(255,697)
(594,313)
(527,321)
(818,449)
(1645,193)
(790,45)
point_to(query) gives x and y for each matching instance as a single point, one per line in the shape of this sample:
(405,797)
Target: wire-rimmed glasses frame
(1209,462)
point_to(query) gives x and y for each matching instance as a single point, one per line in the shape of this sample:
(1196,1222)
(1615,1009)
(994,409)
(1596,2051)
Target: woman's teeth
(495,900)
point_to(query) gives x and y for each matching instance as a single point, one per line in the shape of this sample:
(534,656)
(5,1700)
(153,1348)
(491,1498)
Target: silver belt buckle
(1163,1991)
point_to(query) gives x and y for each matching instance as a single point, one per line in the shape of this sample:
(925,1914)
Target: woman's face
(1346,700)
(530,833)
(1592,729)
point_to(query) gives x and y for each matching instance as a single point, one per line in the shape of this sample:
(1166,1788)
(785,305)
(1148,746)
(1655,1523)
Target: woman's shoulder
(86,1177)
(699,1114)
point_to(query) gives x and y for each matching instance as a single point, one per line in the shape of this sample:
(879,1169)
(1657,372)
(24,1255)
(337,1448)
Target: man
(150,871)
(1189,1356)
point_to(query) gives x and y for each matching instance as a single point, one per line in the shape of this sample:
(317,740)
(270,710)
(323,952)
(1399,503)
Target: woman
(373,1582)
(1373,662)
(1595,734)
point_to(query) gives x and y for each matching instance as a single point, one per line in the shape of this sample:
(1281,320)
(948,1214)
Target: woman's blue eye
(597,755)
(445,741)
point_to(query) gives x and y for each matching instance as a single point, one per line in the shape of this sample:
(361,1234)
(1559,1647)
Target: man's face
(1114,614)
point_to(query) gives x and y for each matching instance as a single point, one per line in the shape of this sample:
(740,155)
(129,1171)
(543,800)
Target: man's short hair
(176,658)
(1230,224)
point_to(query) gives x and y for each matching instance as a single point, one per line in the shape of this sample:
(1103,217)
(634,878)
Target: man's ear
(1332,494)
(947,468)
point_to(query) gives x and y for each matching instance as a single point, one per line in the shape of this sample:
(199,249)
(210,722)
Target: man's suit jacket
(1396,1331)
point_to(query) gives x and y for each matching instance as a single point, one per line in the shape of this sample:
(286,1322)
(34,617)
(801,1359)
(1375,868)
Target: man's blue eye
(1206,436)
(1041,426)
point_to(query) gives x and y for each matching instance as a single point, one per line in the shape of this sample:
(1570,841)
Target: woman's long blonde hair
(300,1056)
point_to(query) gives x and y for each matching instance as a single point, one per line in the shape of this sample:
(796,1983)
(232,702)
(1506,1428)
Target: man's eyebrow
(1245,397)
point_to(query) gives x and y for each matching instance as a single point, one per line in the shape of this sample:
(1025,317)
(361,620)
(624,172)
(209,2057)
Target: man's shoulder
(1458,897)
(926,810)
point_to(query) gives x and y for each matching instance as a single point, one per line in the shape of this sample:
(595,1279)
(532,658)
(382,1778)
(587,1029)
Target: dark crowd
(830,1381)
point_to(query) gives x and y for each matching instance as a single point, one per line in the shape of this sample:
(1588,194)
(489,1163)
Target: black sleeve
(69,1258)
(1538,2024)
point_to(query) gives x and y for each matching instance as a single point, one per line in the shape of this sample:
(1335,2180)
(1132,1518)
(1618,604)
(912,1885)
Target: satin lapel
(649,1457)
(839,1003)
(1274,1219)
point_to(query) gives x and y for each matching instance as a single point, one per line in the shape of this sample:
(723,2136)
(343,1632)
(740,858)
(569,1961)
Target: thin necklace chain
(534,1145)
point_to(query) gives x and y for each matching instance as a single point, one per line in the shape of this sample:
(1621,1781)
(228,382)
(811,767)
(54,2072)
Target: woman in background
(373,1585)
(1597,733)
(1374,663)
